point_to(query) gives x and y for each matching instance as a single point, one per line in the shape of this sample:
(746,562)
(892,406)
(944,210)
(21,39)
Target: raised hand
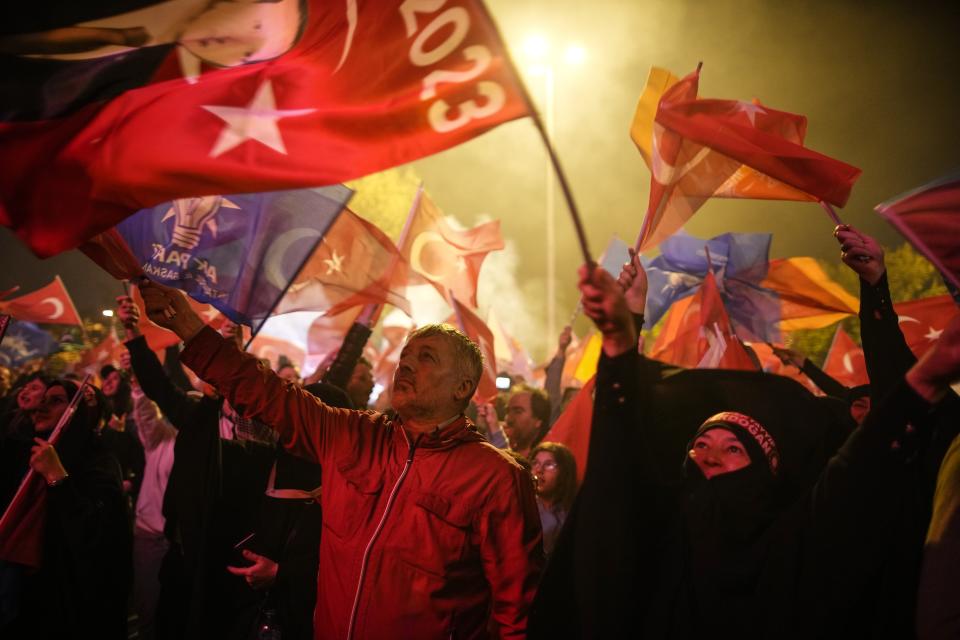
(168,308)
(633,280)
(862,253)
(45,461)
(129,315)
(604,303)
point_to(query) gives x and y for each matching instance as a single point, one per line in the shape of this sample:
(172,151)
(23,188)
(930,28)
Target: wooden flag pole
(554,159)
(832,214)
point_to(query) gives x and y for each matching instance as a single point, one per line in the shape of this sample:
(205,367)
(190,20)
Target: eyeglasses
(550,465)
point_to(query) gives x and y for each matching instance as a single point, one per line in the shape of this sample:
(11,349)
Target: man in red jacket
(429,531)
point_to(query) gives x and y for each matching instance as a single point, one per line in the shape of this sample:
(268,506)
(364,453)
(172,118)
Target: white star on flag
(751,110)
(933,334)
(256,121)
(334,263)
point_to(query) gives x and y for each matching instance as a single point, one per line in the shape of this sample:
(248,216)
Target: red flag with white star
(448,258)
(240,98)
(845,362)
(699,149)
(355,264)
(48,305)
(108,351)
(922,321)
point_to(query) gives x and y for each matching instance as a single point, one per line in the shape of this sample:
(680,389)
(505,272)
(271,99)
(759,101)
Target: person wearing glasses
(83,578)
(555,478)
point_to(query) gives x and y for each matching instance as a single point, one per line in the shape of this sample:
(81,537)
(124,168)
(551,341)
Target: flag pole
(554,159)
(303,263)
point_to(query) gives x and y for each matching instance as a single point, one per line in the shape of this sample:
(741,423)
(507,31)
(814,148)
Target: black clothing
(210,504)
(647,552)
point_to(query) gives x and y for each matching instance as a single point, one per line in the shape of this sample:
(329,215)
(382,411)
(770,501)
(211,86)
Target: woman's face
(31,395)
(54,403)
(718,451)
(546,471)
(111,383)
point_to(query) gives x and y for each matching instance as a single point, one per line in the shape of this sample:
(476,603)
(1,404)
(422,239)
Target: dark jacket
(211,503)
(626,564)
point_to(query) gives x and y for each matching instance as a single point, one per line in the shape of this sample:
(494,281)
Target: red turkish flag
(698,333)
(48,305)
(355,264)
(366,85)
(107,352)
(272,348)
(22,524)
(327,332)
(573,426)
(922,321)
(845,362)
(477,330)
(701,149)
(927,217)
(447,258)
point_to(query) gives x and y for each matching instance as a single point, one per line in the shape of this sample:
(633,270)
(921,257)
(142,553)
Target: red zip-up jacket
(424,536)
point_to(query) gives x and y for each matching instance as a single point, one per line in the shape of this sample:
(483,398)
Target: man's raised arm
(307,427)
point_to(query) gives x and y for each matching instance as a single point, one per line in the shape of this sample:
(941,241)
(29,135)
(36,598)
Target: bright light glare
(108,313)
(575,54)
(536,46)
(537,70)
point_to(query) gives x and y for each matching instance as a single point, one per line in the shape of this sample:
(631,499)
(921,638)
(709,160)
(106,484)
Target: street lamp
(542,61)
(107,313)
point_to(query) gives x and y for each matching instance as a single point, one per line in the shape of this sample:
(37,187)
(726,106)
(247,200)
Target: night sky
(877,80)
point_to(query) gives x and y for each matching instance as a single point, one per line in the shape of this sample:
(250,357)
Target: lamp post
(541,63)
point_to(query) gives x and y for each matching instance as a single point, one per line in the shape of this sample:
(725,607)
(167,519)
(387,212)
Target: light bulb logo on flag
(191,215)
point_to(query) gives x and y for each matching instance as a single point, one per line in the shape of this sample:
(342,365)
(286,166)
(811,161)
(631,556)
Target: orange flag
(697,149)
(48,305)
(572,428)
(698,333)
(355,264)
(845,362)
(809,299)
(477,330)
(445,257)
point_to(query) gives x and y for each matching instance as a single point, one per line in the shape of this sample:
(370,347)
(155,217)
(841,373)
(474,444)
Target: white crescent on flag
(416,249)
(57,307)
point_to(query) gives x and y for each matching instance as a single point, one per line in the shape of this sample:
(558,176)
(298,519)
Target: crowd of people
(261,505)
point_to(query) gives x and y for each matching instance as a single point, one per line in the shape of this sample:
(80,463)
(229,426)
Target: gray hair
(467,356)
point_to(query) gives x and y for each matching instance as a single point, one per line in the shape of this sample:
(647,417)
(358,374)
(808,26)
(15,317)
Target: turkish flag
(241,97)
(573,426)
(477,330)
(699,149)
(108,351)
(355,264)
(922,321)
(929,218)
(445,257)
(327,332)
(22,524)
(845,362)
(698,333)
(272,348)
(48,305)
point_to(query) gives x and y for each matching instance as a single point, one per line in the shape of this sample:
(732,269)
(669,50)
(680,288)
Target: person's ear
(464,389)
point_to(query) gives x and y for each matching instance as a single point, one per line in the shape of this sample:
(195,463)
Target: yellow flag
(641,129)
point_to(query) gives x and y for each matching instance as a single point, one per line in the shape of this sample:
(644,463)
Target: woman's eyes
(736,450)
(699,445)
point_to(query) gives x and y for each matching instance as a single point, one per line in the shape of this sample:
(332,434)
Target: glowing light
(536,47)
(537,70)
(575,54)
(108,313)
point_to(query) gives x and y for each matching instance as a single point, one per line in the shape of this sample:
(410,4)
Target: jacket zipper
(411,447)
